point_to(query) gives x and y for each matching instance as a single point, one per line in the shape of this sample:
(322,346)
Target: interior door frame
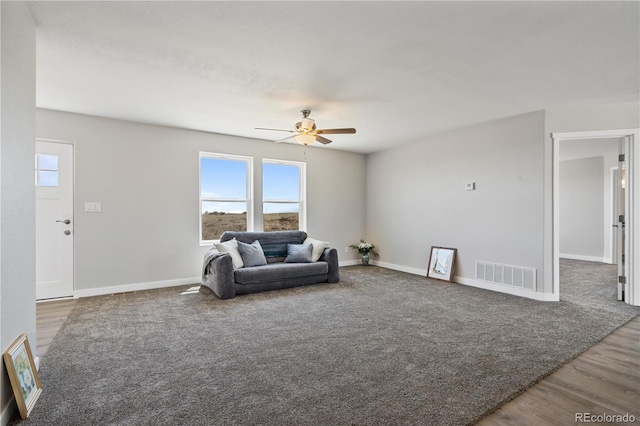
(73,201)
(632,208)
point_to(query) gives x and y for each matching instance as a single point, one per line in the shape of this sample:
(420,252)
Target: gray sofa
(219,275)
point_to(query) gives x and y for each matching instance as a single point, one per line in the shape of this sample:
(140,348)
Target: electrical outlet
(346,249)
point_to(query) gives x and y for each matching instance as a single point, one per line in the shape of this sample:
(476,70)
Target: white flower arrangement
(365,248)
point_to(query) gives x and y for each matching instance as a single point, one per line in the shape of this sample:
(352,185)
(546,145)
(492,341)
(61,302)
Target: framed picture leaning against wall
(23,375)
(442,262)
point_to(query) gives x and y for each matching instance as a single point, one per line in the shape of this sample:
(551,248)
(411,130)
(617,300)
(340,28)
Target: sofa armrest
(218,274)
(330,255)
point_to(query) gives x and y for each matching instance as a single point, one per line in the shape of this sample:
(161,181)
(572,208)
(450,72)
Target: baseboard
(349,262)
(500,288)
(8,411)
(514,291)
(401,268)
(585,258)
(100,291)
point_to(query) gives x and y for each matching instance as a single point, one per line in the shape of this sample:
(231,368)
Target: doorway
(623,221)
(54,171)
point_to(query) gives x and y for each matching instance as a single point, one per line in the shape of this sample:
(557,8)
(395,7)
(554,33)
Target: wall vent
(515,276)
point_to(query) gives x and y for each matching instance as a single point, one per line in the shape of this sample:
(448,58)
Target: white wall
(416,196)
(582,208)
(146,178)
(607,149)
(17,190)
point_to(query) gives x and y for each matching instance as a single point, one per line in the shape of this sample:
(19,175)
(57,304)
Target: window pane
(218,217)
(223,178)
(280,182)
(47,179)
(47,162)
(281,216)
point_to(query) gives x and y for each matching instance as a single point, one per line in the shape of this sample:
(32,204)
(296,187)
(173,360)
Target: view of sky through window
(280,182)
(226,179)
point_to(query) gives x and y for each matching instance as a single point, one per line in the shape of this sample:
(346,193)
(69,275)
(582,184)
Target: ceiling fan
(306,132)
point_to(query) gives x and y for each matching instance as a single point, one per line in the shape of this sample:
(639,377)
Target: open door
(622,213)
(627,220)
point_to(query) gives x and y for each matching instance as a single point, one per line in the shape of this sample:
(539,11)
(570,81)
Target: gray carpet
(380,347)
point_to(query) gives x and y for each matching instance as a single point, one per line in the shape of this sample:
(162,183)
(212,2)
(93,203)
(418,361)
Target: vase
(365,259)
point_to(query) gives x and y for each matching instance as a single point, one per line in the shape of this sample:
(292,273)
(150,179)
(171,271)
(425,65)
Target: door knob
(67,232)
(66,221)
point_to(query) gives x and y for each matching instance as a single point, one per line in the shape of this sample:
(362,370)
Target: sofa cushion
(252,254)
(299,253)
(231,247)
(274,244)
(318,248)
(279,271)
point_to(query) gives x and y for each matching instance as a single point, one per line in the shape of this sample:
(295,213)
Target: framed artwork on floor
(23,375)
(442,262)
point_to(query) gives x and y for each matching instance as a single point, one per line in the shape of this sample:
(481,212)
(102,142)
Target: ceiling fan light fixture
(305,139)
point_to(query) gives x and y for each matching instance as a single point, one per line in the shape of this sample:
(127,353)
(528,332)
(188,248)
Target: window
(283,195)
(225,195)
(47,170)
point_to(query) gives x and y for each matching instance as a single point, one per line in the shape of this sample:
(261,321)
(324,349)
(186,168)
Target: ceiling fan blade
(277,130)
(285,139)
(335,131)
(322,140)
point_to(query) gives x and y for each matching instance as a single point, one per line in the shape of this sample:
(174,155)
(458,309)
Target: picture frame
(442,263)
(21,368)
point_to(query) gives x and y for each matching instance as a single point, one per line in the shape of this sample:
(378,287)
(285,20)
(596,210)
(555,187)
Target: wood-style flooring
(50,315)
(603,380)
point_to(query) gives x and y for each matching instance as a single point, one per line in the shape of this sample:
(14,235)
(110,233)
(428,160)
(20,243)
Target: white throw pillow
(318,248)
(231,247)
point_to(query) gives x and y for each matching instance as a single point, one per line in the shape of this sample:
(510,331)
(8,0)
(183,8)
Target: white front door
(54,220)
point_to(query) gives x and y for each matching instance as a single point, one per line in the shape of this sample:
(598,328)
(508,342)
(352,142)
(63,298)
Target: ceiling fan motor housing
(306,125)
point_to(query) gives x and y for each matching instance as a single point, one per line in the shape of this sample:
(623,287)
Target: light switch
(92,206)
(470,186)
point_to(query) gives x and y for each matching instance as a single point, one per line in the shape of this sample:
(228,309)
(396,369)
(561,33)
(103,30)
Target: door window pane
(49,179)
(47,162)
(47,170)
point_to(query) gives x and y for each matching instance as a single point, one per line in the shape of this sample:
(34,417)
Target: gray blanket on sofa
(211,254)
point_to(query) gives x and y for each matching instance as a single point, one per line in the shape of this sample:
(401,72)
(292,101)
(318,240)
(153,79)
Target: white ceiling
(396,71)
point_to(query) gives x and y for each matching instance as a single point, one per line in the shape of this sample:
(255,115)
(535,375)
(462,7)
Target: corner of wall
(17,193)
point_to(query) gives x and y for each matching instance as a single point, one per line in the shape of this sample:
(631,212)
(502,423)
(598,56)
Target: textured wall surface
(17,192)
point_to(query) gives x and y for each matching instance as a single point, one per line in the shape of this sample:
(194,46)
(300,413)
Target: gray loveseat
(219,275)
